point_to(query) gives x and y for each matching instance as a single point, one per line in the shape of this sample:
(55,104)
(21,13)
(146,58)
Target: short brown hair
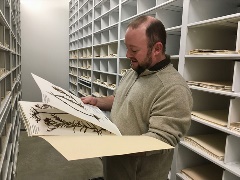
(155,31)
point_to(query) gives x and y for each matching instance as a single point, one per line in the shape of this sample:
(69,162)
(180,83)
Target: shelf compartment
(85,64)
(113,34)
(2,35)
(87,41)
(123,29)
(112,50)
(80,43)
(227,175)
(104,65)
(236,77)
(104,51)
(168,16)
(129,9)
(73,88)
(111,81)
(73,71)
(211,37)
(124,65)
(232,154)
(204,101)
(186,156)
(105,21)
(122,50)
(113,17)
(97,25)
(84,90)
(208,140)
(112,66)
(201,70)
(143,5)
(98,12)
(73,55)
(99,90)
(96,51)
(204,9)
(104,36)
(172,44)
(105,6)
(114,3)
(97,38)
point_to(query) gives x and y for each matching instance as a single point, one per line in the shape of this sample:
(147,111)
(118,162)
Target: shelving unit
(98,61)
(10,86)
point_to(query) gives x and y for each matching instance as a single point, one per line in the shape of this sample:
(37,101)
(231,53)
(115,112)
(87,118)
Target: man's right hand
(89,100)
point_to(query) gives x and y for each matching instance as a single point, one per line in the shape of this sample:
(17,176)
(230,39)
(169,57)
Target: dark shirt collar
(162,64)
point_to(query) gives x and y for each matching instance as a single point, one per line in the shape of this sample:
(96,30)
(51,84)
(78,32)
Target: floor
(38,160)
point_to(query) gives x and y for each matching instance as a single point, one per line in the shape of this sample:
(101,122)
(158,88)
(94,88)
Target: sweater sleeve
(170,114)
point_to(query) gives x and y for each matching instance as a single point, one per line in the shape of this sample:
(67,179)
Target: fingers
(89,100)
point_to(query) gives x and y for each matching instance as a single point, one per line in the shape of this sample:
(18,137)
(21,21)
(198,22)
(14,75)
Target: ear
(157,48)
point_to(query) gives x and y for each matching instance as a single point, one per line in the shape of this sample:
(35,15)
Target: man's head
(145,40)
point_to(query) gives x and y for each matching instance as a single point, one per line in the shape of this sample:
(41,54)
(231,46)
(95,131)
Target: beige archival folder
(82,147)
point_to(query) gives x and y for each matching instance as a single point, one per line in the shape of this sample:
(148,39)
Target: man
(152,100)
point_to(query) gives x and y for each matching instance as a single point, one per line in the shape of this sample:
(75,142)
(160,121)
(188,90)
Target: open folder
(78,130)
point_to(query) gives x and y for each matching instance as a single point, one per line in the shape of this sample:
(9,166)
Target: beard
(145,64)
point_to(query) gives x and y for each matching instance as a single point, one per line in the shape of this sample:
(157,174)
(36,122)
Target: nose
(128,54)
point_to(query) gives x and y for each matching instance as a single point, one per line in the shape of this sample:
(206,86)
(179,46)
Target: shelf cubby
(173,44)
(143,5)
(101,91)
(85,64)
(84,91)
(96,38)
(114,3)
(204,10)
(122,49)
(229,176)
(113,18)
(168,16)
(73,71)
(98,12)
(129,9)
(113,34)
(202,70)
(96,51)
(209,101)
(79,43)
(112,66)
(232,154)
(104,50)
(105,21)
(72,88)
(105,7)
(186,157)
(97,25)
(104,36)
(104,65)
(124,65)
(210,36)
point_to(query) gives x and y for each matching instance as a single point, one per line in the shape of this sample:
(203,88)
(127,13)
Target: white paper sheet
(67,102)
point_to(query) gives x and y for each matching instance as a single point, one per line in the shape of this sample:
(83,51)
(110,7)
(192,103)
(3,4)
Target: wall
(45,42)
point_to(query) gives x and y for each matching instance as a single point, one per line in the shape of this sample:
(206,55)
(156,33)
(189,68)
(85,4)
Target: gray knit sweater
(155,103)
